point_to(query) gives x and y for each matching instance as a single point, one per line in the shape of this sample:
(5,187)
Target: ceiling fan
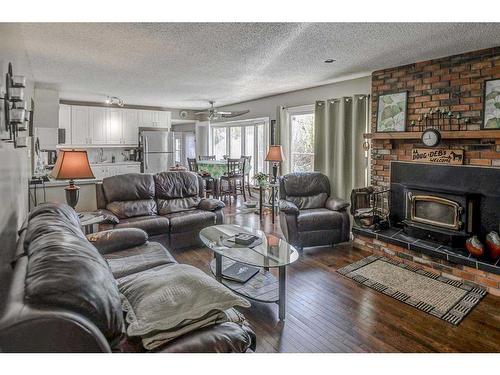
(213,114)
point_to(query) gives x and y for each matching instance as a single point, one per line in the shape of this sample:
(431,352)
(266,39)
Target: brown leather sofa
(62,296)
(168,204)
(308,215)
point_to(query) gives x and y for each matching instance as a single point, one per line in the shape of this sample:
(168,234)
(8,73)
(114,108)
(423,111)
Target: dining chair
(246,180)
(206,157)
(207,179)
(232,184)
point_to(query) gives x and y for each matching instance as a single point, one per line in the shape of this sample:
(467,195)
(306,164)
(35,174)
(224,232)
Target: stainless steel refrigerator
(156,149)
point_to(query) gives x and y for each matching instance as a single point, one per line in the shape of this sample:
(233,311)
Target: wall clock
(431,137)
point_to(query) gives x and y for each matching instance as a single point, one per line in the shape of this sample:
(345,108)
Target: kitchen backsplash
(99,155)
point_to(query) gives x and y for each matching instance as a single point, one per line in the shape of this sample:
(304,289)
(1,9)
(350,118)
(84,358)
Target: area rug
(444,298)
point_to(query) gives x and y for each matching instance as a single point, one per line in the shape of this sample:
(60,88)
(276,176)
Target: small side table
(89,221)
(273,204)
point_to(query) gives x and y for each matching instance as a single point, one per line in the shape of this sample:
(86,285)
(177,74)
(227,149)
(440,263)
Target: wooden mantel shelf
(468,134)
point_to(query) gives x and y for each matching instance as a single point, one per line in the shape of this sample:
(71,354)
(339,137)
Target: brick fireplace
(454,83)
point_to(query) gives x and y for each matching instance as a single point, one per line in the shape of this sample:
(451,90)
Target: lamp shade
(275,153)
(72,164)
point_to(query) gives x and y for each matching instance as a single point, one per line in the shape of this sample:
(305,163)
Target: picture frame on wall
(392,112)
(491,104)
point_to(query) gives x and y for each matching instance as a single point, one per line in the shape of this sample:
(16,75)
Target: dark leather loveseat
(62,296)
(167,204)
(309,216)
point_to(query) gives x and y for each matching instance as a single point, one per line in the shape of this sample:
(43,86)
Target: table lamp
(71,165)
(275,155)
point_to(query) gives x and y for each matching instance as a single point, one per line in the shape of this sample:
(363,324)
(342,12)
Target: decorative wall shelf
(463,134)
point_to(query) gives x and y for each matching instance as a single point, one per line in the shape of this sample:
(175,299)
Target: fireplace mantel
(463,134)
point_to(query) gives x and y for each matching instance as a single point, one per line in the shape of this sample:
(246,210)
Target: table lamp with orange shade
(72,165)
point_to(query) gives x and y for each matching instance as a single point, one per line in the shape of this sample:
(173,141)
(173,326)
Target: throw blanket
(157,339)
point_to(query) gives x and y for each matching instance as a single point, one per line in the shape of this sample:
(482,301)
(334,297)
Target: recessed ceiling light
(329,61)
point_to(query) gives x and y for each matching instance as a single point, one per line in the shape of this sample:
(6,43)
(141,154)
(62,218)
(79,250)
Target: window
(301,153)
(237,138)
(184,146)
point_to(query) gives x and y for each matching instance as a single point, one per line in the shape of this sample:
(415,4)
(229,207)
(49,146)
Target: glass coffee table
(271,252)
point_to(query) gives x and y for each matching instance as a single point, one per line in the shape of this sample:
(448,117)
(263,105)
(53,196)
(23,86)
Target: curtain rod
(325,100)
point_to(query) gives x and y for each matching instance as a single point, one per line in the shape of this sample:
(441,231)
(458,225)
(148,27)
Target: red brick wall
(453,83)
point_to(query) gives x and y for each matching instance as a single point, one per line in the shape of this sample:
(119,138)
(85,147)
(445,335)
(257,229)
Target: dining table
(216,169)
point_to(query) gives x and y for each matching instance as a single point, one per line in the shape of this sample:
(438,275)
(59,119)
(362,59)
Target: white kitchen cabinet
(80,125)
(98,125)
(146,118)
(162,119)
(108,126)
(65,121)
(130,127)
(115,126)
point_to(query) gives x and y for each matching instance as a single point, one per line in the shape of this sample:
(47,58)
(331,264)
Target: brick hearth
(455,83)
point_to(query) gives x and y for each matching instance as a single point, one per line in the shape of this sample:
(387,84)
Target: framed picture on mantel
(491,102)
(391,112)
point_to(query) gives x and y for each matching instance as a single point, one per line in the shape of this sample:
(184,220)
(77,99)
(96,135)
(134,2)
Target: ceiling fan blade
(235,113)
(224,112)
(201,113)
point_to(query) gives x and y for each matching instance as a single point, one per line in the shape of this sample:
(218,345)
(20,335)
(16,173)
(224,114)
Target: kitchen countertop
(128,162)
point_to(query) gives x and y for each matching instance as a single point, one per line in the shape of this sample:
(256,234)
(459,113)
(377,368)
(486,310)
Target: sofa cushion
(138,259)
(318,219)
(129,187)
(163,297)
(126,209)
(67,272)
(189,221)
(169,185)
(168,206)
(152,225)
(109,241)
(52,218)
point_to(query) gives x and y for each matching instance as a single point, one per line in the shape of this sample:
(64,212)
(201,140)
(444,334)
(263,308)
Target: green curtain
(339,125)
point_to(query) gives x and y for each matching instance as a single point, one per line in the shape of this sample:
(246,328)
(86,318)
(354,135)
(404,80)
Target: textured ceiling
(184,64)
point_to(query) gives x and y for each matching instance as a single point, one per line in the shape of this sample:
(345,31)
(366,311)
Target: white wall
(267,107)
(14,163)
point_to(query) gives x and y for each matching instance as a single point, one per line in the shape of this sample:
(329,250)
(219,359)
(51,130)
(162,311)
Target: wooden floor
(327,312)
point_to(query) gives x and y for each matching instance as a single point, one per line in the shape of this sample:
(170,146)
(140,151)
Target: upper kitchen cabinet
(130,126)
(101,126)
(98,125)
(115,126)
(65,121)
(80,126)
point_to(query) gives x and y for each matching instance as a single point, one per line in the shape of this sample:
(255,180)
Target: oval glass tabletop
(271,251)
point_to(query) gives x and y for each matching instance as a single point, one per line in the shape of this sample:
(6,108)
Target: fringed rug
(444,298)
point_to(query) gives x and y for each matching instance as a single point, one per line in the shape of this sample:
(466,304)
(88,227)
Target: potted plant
(261,178)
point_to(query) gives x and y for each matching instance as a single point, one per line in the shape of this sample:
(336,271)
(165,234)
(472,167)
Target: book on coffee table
(240,272)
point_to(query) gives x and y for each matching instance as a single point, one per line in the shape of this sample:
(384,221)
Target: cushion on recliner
(306,189)
(168,206)
(152,225)
(138,259)
(129,187)
(65,270)
(189,221)
(127,209)
(51,218)
(176,191)
(318,219)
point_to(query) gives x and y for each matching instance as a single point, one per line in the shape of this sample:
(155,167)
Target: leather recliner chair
(308,215)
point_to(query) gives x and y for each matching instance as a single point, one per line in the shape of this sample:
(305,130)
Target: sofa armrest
(113,240)
(109,217)
(210,204)
(336,204)
(288,207)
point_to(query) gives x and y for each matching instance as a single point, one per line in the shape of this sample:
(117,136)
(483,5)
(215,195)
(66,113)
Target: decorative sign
(438,155)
